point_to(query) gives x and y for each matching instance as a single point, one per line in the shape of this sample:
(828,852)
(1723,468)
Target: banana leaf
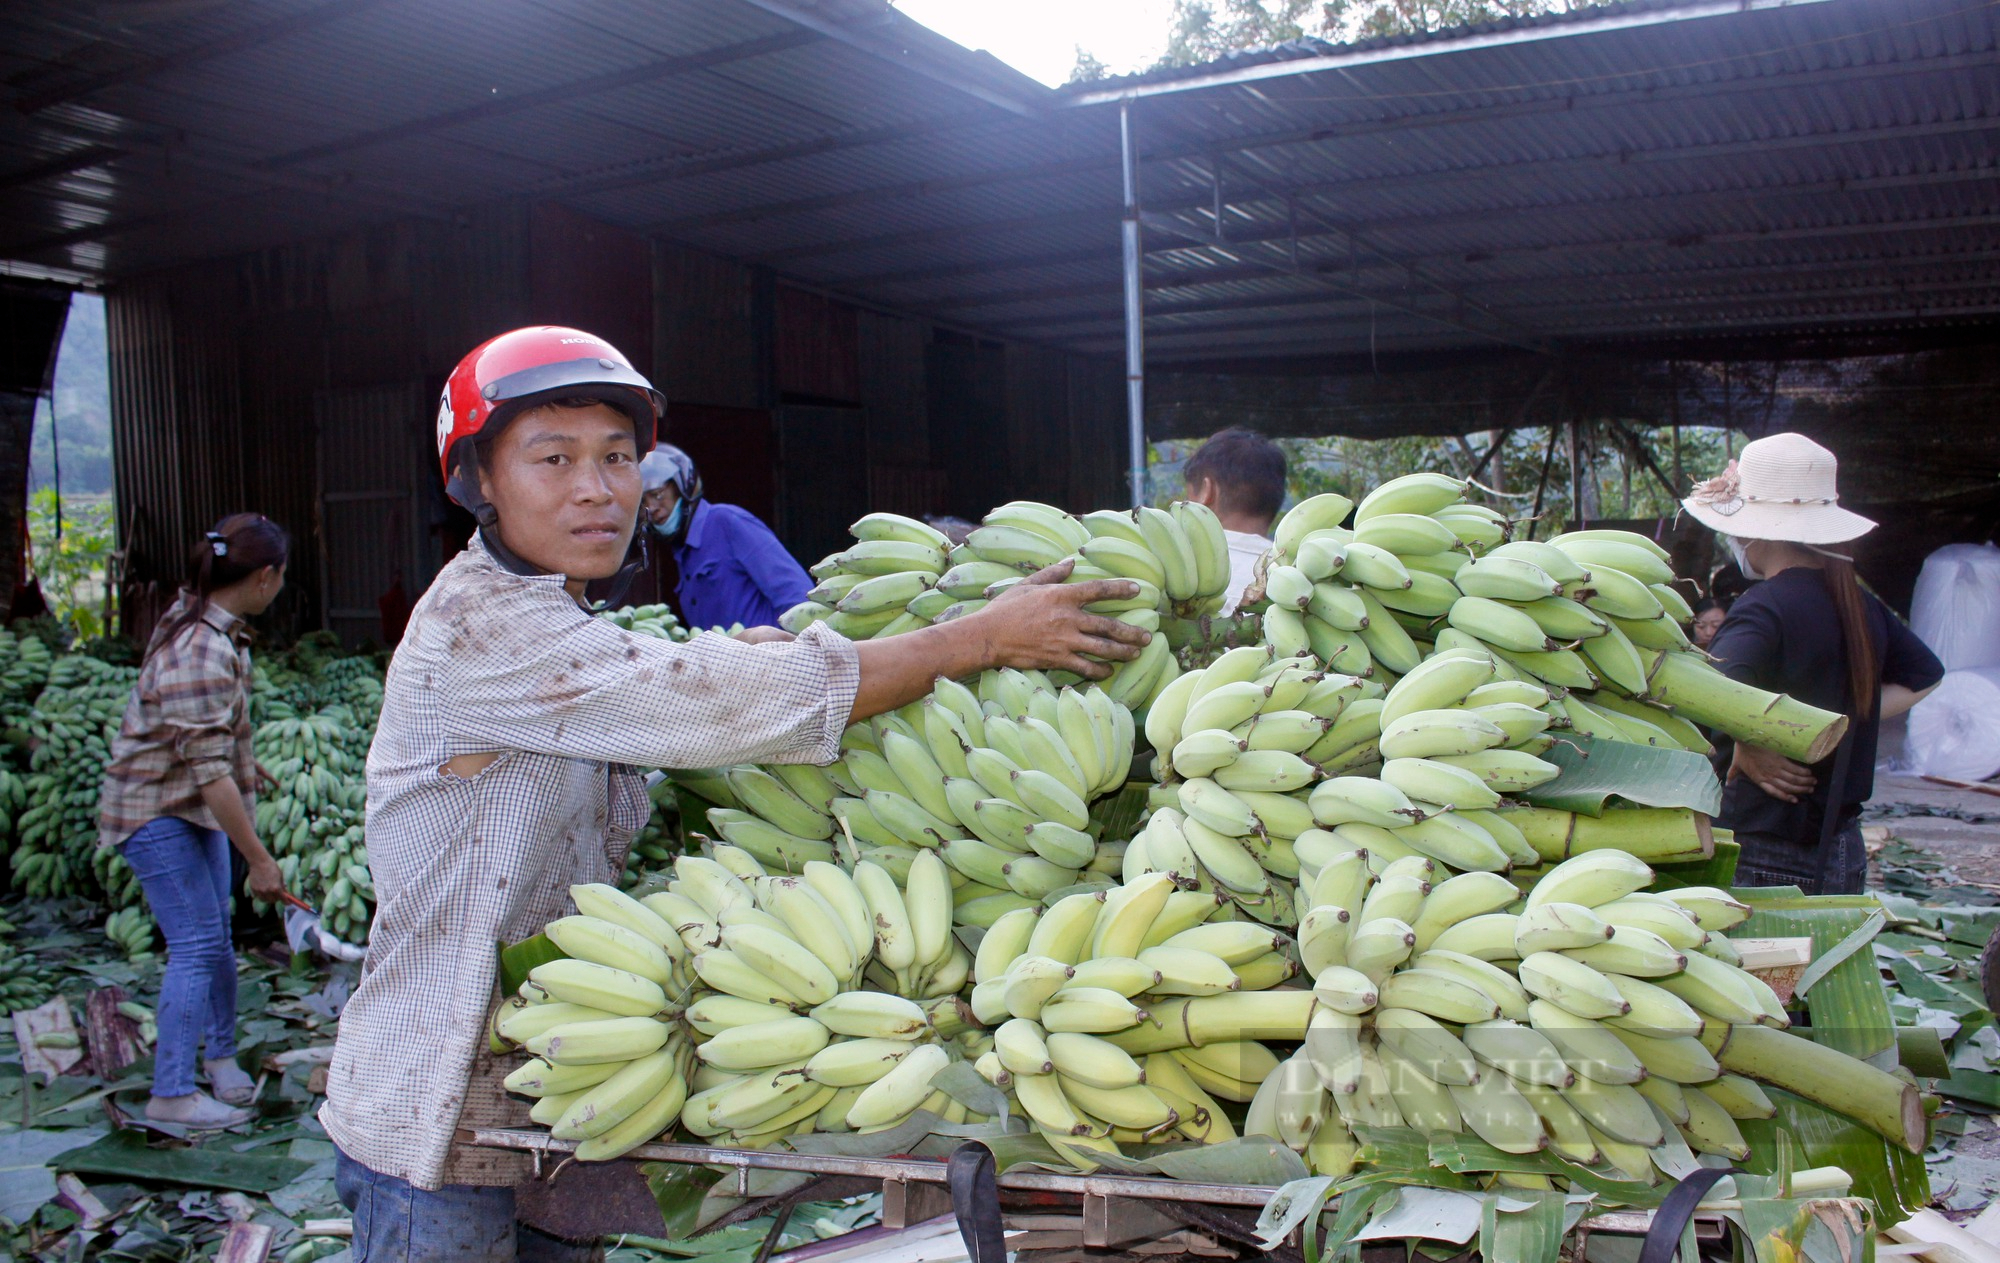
(1523,1226)
(1816,1230)
(1119,813)
(1465,1153)
(1897,1182)
(1849,1005)
(1651,776)
(126,1154)
(518,960)
(1292,1205)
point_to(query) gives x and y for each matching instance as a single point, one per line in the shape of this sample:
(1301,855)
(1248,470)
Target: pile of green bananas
(313,822)
(25,979)
(648,620)
(834,999)
(887,583)
(658,840)
(75,719)
(1078,993)
(902,574)
(1587,1017)
(997,778)
(132,930)
(25,663)
(780,1037)
(610,1058)
(1591,614)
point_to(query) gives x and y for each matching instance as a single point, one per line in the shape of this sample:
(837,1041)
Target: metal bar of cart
(1093,1188)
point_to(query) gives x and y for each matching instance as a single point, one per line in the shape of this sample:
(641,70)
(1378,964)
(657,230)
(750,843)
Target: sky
(1040,37)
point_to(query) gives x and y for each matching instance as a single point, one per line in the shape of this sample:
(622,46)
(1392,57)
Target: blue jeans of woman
(397,1222)
(185,873)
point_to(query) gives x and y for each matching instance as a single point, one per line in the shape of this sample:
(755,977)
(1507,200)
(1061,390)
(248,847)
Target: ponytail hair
(1863,672)
(239,546)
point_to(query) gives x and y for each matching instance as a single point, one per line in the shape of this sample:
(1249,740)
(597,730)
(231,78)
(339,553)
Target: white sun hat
(1782,487)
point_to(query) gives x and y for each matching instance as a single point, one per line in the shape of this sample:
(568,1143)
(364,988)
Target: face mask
(672,525)
(1740,550)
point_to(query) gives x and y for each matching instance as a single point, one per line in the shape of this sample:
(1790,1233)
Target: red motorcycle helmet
(505,376)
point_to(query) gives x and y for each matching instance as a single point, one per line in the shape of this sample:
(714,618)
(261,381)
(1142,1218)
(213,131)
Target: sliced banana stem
(1700,693)
(1654,834)
(1874,1098)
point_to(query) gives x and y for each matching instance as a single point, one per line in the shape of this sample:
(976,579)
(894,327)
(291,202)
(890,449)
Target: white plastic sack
(1955,732)
(1956,610)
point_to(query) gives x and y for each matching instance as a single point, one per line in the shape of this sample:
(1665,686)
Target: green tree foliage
(1203,30)
(74,565)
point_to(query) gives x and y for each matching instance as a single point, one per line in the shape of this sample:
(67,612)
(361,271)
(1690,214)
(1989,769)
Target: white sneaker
(197,1110)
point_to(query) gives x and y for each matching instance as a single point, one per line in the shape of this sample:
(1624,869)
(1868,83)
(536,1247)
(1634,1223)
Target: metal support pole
(1135,316)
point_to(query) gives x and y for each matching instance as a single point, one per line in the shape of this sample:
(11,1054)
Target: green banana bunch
(132,930)
(648,620)
(1577,1018)
(314,822)
(71,727)
(888,582)
(994,778)
(1077,994)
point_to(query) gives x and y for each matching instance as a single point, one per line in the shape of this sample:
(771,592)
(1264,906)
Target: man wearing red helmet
(503,769)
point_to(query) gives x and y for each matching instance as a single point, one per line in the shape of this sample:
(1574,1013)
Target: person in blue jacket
(733,570)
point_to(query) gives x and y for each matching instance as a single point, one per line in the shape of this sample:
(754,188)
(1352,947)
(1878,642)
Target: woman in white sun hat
(1809,630)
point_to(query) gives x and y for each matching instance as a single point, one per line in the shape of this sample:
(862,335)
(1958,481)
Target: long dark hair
(239,546)
(1863,672)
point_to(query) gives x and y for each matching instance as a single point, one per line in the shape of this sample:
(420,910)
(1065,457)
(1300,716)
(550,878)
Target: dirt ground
(1970,846)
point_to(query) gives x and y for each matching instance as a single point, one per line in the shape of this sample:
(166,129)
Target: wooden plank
(327,1228)
(1773,953)
(1946,1241)
(1987,1225)
(73,1193)
(246,1243)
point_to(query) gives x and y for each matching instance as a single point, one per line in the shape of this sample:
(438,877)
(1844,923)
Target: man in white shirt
(1241,475)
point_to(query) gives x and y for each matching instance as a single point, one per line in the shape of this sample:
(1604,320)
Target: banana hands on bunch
(54,806)
(314,820)
(648,620)
(1531,1021)
(886,583)
(994,777)
(1124,1017)
(132,930)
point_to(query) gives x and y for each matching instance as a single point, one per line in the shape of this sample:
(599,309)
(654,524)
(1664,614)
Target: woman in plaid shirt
(177,794)
(503,770)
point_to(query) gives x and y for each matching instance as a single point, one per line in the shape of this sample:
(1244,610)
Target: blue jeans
(185,873)
(397,1222)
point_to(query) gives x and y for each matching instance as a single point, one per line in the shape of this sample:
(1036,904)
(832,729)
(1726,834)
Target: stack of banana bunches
(1337,915)
(901,574)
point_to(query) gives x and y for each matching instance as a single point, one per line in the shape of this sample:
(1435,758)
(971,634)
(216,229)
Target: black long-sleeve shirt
(1784,635)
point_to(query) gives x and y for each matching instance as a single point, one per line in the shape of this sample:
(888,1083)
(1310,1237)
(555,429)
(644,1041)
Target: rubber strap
(1675,1213)
(975,1201)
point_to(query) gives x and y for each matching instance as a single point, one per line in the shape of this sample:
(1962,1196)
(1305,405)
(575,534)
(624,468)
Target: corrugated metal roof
(1655,169)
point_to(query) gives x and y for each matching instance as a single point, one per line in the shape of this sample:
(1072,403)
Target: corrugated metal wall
(219,376)
(297,381)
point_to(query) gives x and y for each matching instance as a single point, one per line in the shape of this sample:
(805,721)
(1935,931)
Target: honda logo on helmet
(444,420)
